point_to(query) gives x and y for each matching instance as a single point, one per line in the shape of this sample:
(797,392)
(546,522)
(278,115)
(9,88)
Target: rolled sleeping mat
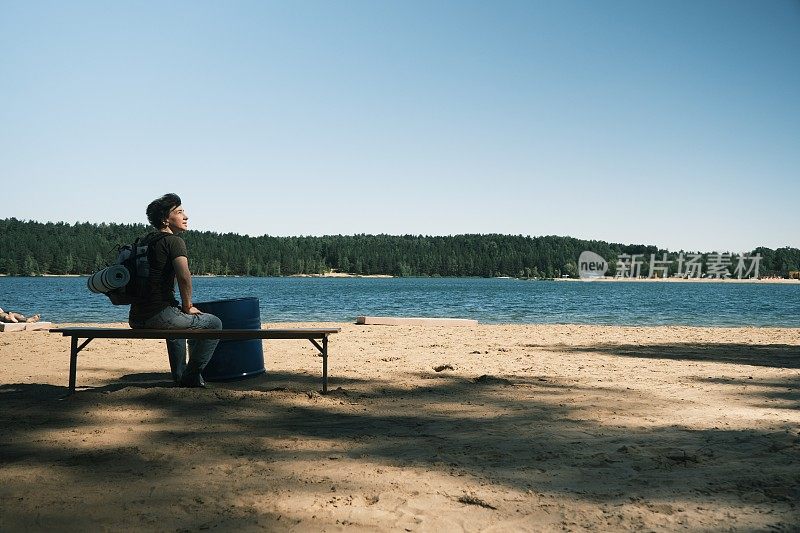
(108,279)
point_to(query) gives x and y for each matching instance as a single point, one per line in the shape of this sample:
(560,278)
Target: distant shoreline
(326,275)
(339,275)
(780,281)
(776,281)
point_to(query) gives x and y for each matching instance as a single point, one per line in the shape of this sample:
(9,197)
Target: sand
(539,428)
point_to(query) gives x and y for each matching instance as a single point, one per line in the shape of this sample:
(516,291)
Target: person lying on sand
(12,317)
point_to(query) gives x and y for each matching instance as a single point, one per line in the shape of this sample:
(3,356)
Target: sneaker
(192,382)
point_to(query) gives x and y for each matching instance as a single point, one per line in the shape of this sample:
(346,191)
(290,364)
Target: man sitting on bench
(167,256)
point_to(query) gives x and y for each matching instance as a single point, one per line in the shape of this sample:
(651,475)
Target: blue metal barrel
(235,359)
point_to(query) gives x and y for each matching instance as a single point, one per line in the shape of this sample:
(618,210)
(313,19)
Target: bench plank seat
(310,334)
(222,334)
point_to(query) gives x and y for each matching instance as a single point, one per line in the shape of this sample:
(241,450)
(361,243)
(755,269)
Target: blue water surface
(487,300)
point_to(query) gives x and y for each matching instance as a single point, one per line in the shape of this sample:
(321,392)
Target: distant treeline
(32,248)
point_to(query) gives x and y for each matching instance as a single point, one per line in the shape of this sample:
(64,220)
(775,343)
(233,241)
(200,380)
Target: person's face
(177,221)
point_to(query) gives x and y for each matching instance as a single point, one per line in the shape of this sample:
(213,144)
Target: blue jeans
(200,350)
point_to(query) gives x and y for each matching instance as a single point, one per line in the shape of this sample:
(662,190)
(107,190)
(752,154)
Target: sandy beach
(483,428)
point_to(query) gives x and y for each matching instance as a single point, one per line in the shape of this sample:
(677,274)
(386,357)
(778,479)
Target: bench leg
(74,349)
(325,365)
(323,350)
(73,364)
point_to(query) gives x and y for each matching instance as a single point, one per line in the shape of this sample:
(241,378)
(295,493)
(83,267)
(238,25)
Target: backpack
(134,257)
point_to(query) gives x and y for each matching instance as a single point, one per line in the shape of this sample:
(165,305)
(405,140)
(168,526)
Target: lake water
(487,300)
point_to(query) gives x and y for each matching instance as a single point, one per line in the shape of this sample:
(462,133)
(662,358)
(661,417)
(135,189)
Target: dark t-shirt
(161,288)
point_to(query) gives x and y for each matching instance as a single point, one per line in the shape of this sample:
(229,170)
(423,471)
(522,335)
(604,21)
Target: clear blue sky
(670,123)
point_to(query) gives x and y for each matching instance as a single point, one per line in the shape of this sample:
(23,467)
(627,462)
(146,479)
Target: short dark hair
(159,209)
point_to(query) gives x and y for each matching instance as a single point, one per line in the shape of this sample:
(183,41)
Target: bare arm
(184,277)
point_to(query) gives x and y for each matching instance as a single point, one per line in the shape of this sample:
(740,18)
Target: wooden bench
(89,334)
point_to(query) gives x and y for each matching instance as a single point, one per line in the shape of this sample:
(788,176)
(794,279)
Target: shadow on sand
(769,355)
(521,434)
